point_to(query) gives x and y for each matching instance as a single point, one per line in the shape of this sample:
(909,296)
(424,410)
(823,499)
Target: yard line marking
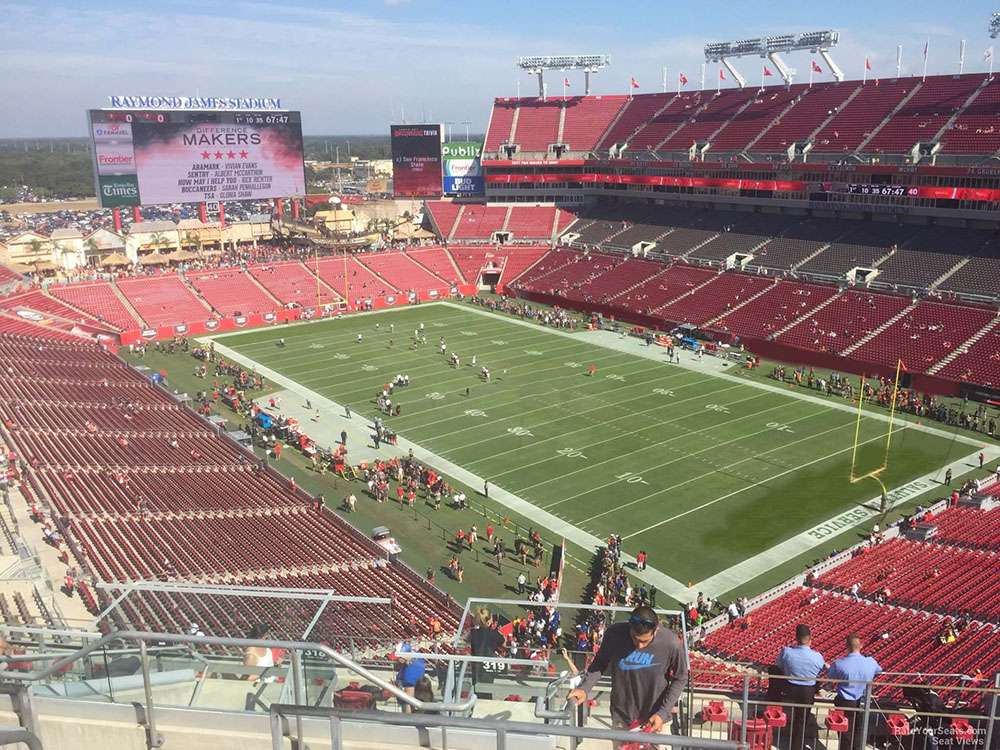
(743,489)
(606,405)
(617,438)
(411,413)
(686,456)
(752,567)
(561,435)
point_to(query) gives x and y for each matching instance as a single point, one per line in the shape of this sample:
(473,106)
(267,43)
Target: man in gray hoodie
(648,669)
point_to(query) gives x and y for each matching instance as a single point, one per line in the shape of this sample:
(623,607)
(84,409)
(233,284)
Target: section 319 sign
(416,161)
(463,172)
(153,157)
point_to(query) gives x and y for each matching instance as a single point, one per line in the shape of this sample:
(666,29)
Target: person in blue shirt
(858,670)
(801,665)
(409,673)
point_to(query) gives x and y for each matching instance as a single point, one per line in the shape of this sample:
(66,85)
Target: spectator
(409,672)
(647,667)
(859,670)
(802,665)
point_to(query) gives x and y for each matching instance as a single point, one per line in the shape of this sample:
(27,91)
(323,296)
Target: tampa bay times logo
(119,190)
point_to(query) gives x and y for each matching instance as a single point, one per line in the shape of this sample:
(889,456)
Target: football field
(700,470)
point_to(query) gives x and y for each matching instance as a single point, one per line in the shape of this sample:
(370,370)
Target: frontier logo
(119,190)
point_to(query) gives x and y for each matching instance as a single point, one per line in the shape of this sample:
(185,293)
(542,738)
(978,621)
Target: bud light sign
(463,173)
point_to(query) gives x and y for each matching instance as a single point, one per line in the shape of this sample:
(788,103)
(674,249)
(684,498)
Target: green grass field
(699,471)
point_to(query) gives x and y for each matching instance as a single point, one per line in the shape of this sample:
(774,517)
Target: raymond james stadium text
(195,102)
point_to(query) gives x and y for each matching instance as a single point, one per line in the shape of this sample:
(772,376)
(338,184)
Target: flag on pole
(988,54)
(635,83)
(868,64)
(682,79)
(927,45)
(722,74)
(566,82)
(868,67)
(767,72)
(816,68)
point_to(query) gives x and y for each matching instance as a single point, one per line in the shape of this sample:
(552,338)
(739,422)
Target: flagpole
(703,68)
(811,70)
(664,79)
(961,58)
(864,76)
(899,59)
(718,83)
(991,61)
(926,45)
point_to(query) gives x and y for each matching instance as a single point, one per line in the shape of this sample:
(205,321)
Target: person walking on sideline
(648,671)
(858,670)
(802,665)
(521,581)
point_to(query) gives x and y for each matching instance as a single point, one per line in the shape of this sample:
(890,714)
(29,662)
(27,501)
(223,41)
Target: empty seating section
(352,280)
(859,247)
(293,284)
(925,576)
(795,244)
(738,233)
(924,336)
(566,217)
(99,300)
(920,119)
(969,527)
(531,222)
(721,108)
(980,276)
(621,274)
(550,263)
(748,124)
(594,231)
(910,643)
(443,214)
(231,292)
(723,292)
(817,103)
(178,491)
(980,364)
(403,273)
(784,303)
(519,260)
(637,112)
(915,268)
(500,122)
(7,276)
(586,119)
(479,222)
(664,287)
(573,281)
(473,260)
(537,125)
(144,490)
(439,262)
(666,119)
(849,318)
(858,118)
(13,325)
(37,301)
(163,300)
(976,131)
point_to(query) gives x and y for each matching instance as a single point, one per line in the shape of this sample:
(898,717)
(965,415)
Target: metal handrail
(195,640)
(279,713)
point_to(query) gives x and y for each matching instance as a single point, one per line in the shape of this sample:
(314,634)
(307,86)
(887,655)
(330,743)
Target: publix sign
(462,171)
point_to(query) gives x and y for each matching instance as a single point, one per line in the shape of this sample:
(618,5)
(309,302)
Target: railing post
(336,733)
(501,739)
(153,739)
(992,708)
(745,709)
(864,718)
(297,685)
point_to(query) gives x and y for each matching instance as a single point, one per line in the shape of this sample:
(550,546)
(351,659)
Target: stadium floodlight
(995,25)
(772,47)
(537,65)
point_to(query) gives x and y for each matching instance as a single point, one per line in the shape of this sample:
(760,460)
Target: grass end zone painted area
(700,472)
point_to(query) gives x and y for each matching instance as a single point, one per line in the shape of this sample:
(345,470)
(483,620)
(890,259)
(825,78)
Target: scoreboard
(145,157)
(416,161)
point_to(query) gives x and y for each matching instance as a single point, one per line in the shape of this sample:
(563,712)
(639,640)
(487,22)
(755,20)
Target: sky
(354,67)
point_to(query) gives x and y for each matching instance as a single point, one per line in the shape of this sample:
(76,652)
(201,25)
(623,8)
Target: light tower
(772,47)
(537,65)
(995,25)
